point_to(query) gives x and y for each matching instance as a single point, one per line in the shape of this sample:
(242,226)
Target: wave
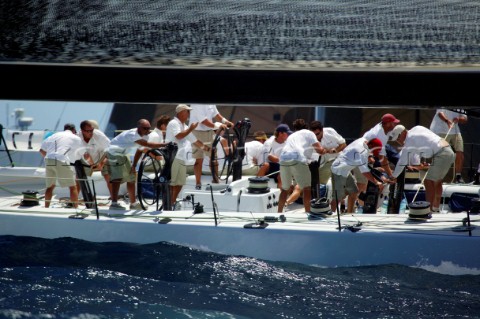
(68,278)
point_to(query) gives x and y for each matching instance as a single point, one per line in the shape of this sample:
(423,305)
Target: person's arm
(319,148)
(184,133)
(224,121)
(372,179)
(138,154)
(272,158)
(204,147)
(144,143)
(445,119)
(337,149)
(101,162)
(386,166)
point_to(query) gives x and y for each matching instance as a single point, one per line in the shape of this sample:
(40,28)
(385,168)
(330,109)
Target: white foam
(449,268)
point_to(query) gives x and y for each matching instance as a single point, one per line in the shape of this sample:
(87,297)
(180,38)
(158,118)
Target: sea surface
(70,278)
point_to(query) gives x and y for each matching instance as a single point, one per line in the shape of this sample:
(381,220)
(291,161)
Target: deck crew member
(205,115)
(181,133)
(355,155)
(254,154)
(95,143)
(333,143)
(446,121)
(294,159)
(160,131)
(120,167)
(273,148)
(419,141)
(60,150)
(380,131)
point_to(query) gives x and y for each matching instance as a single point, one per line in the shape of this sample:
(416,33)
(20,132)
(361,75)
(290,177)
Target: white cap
(395,133)
(182,107)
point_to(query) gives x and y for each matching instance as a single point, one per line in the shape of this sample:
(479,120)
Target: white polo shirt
(201,112)
(174,127)
(354,155)
(63,146)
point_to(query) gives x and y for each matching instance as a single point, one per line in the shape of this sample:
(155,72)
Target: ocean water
(70,278)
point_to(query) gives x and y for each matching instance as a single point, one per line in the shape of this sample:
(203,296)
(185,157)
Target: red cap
(375,145)
(387,118)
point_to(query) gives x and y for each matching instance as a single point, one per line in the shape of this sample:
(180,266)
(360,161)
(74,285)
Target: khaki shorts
(359,177)
(325,172)
(441,163)
(206,137)
(295,170)
(455,141)
(179,173)
(120,167)
(61,171)
(342,186)
(251,170)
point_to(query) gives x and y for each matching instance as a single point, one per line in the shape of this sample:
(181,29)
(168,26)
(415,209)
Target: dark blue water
(69,278)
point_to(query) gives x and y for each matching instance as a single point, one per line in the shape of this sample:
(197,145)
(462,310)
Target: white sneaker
(137,206)
(117,206)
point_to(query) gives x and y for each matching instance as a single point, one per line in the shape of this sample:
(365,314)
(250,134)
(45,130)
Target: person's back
(298,146)
(352,156)
(254,153)
(62,146)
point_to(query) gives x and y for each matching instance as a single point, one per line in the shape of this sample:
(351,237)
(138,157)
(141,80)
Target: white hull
(381,239)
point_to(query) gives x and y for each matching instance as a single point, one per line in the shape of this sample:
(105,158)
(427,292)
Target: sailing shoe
(117,206)
(459,179)
(137,206)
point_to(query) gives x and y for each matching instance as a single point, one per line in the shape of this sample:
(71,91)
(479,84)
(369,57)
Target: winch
(419,210)
(320,206)
(30,198)
(258,185)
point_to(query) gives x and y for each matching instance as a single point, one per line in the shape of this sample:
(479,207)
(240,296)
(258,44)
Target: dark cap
(388,118)
(69,126)
(283,128)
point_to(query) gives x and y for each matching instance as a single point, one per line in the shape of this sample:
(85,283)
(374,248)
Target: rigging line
(60,117)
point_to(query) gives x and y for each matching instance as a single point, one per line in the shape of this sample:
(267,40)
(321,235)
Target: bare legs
(48,195)
(197,170)
(433,192)
(174,191)
(73,195)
